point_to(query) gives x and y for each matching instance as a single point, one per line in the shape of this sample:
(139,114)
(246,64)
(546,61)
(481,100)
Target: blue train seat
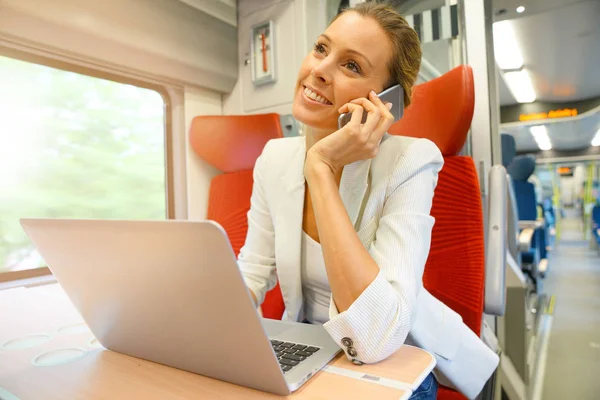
(533,260)
(596,223)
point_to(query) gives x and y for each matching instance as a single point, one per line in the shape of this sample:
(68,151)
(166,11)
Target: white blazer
(388,198)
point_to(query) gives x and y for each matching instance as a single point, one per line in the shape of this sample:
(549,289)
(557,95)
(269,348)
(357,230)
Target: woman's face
(349,59)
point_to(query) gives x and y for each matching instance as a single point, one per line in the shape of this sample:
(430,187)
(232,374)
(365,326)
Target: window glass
(75,146)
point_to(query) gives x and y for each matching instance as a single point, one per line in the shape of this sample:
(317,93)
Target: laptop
(171,292)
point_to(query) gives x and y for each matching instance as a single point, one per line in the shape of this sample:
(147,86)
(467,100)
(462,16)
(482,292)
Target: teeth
(312,95)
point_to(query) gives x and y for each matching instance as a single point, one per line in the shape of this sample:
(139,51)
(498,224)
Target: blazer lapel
(288,227)
(353,187)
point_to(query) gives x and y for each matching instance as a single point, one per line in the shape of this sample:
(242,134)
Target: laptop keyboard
(291,354)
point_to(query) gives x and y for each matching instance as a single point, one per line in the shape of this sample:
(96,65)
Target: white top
(315,285)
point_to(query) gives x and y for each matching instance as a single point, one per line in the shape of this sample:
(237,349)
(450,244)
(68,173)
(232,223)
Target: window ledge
(28,282)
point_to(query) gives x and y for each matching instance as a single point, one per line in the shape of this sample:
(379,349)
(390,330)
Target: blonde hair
(405,61)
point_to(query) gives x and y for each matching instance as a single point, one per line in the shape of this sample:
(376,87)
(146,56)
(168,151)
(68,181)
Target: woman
(344,214)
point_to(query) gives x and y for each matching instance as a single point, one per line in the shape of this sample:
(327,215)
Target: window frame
(44,272)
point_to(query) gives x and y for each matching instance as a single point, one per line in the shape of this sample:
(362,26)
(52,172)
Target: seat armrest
(525,238)
(495,252)
(531,224)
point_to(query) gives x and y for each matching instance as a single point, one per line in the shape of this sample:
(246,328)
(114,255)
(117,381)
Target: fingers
(373,113)
(386,120)
(378,120)
(365,135)
(343,109)
(376,100)
(386,116)
(357,115)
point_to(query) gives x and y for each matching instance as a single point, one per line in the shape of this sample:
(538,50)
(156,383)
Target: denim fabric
(427,390)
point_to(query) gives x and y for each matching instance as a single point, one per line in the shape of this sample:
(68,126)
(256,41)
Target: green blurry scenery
(75,146)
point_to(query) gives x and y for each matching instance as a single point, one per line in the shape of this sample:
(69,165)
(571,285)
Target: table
(47,352)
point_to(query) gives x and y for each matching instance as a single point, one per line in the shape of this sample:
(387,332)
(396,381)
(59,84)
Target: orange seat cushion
(454,272)
(445,393)
(228,204)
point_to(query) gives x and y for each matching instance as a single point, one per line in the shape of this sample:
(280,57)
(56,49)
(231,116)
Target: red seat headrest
(232,143)
(441,111)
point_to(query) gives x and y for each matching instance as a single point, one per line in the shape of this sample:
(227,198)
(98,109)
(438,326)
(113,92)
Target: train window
(75,146)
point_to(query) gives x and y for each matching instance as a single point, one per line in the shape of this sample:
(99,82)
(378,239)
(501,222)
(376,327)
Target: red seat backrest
(442,110)
(232,144)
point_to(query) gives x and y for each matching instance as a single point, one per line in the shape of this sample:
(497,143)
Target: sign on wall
(565,112)
(539,110)
(262,53)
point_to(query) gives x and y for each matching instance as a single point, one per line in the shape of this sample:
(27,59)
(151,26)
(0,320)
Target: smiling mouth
(313,96)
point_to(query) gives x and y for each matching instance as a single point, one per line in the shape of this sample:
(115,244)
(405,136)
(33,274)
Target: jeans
(427,390)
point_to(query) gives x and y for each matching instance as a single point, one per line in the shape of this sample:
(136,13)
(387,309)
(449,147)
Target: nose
(322,71)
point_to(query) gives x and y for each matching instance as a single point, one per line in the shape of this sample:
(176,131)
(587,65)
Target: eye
(353,66)
(319,48)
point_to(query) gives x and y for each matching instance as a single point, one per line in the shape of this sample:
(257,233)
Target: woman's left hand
(355,141)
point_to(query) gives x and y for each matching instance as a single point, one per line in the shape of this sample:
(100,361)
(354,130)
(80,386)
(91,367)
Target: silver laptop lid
(165,291)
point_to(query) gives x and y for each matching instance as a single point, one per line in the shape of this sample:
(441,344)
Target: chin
(312,118)
(304,116)
(313,121)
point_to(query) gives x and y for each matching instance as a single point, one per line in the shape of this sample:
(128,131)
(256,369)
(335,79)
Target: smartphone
(394,95)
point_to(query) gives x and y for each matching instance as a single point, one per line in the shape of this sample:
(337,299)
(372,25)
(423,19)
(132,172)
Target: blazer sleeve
(379,321)
(257,257)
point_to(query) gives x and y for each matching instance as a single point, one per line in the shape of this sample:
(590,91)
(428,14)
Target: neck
(313,135)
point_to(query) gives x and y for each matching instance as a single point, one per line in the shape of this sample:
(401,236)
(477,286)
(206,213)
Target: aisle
(573,363)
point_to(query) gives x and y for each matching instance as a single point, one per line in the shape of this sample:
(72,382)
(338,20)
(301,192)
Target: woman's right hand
(355,141)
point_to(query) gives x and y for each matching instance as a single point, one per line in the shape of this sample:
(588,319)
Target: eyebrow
(350,51)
